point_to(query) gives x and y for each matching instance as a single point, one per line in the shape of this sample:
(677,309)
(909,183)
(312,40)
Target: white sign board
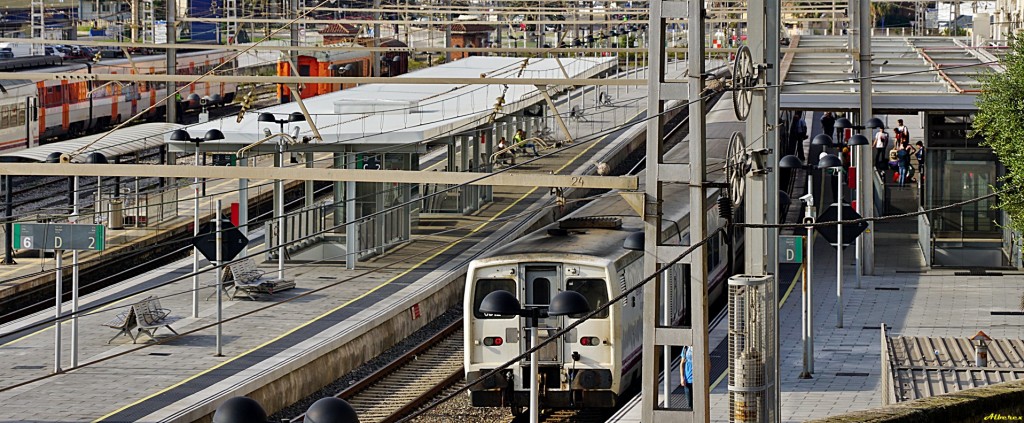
(160,32)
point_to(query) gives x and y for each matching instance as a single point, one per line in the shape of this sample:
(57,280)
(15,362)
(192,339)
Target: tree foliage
(1000,121)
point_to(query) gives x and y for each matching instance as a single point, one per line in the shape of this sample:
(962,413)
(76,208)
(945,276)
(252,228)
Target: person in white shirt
(881,142)
(902,132)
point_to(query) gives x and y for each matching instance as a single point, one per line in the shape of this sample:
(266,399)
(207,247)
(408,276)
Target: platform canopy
(399,114)
(909,74)
(124,141)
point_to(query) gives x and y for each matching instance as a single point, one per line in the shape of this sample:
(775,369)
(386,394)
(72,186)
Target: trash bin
(116,214)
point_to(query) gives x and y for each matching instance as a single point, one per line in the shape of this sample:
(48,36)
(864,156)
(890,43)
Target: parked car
(53,51)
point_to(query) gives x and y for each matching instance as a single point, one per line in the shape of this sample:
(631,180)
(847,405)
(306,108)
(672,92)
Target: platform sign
(59,236)
(791,249)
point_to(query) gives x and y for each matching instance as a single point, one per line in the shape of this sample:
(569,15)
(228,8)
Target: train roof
(607,243)
(28,62)
(591,242)
(122,142)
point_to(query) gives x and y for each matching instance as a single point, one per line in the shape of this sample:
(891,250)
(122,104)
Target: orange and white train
(33,112)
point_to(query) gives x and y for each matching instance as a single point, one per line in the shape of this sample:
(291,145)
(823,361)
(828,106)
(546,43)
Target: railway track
(409,381)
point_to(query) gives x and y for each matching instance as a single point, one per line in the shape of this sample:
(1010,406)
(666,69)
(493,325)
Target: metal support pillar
(8,221)
(59,255)
(448,38)
(243,206)
(773,60)
(697,335)
(376,39)
(293,55)
(37,26)
(865,181)
(339,192)
(308,186)
(74,281)
(762,192)
(171,105)
(351,228)
(279,212)
(195,251)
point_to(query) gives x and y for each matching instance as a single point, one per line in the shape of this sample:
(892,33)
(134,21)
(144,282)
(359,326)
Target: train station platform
(907,295)
(334,320)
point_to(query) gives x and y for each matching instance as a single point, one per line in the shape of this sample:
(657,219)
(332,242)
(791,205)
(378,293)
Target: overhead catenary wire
(194,81)
(244,314)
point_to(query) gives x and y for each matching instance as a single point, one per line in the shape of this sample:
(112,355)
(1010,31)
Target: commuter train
(36,111)
(595,363)
(341,63)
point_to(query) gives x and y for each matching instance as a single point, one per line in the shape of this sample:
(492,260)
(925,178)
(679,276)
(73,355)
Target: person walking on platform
(881,143)
(686,374)
(828,124)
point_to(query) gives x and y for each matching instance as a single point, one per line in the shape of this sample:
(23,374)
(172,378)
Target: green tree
(999,122)
(879,9)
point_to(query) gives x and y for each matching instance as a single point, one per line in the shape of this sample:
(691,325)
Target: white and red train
(32,112)
(35,112)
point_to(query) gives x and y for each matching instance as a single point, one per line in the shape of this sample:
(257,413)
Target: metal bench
(249,280)
(125,322)
(147,316)
(150,316)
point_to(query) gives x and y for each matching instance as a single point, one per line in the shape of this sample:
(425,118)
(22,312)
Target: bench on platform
(124,322)
(147,316)
(249,280)
(151,316)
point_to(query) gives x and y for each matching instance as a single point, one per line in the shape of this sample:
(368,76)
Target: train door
(542,283)
(31,121)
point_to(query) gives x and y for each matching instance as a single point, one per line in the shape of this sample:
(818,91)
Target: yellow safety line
(417,265)
(781,303)
(792,284)
(719,380)
(16,269)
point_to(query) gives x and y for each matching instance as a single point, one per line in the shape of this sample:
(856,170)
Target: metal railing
(924,238)
(304,225)
(377,232)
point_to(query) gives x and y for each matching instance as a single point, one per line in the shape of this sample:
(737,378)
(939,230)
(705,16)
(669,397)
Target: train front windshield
(594,290)
(487,286)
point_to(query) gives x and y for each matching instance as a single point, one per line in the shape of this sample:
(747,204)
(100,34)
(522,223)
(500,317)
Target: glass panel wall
(958,168)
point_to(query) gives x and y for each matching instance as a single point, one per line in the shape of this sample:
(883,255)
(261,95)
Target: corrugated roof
(908,73)
(921,367)
(124,141)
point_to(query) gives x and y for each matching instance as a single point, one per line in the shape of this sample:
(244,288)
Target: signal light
(590,340)
(493,341)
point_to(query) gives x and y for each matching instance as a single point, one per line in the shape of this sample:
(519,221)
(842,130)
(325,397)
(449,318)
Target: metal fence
(306,226)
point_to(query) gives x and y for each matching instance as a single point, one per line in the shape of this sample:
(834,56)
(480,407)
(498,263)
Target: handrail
(536,140)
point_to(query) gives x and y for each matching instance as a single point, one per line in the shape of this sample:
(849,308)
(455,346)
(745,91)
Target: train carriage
(593,365)
(32,112)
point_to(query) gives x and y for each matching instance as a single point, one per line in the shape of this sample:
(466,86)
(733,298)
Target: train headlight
(590,340)
(493,341)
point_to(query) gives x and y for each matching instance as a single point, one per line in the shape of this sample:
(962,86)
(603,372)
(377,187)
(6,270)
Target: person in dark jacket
(828,124)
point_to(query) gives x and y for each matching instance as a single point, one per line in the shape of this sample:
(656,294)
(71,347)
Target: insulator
(725,208)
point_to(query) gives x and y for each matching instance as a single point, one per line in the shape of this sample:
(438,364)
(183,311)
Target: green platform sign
(59,236)
(791,249)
